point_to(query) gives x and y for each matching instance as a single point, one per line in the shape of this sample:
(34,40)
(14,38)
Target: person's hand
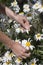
(19,50)
(23,21)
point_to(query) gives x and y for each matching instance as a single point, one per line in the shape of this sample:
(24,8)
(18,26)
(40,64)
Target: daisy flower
(14,3)
(18,61)
(7,63)
(40,9)
(37,37)
(7,56)
(36,6)
(27,44)
(26,8)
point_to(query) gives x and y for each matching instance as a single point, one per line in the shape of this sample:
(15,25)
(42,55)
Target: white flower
(24,42)
(14,3)
(37,37)
(4,59)
(18,60)
(36,6)
(26,8)
(27,44)
(18,30)
(40,9)
(33,61)
(16,9)
(7,56)
(7,63)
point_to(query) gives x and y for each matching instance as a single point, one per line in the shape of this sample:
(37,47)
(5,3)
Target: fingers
(26,24)
(25,55)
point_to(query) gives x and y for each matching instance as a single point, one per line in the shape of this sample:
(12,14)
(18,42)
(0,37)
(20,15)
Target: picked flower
(27,44)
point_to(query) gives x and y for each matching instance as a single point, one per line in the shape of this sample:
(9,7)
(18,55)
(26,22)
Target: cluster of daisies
(16,8)
(26,7)
(9,57)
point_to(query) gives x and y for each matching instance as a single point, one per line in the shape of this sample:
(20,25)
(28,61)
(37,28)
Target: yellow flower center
(19,59)
(32,64)
(8,62)
(21,13)
(28,44)
(38,35)
(11,54)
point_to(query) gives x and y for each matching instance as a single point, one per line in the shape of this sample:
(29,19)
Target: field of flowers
(32,39)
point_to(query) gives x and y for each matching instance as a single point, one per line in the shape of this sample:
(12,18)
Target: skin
(17,48)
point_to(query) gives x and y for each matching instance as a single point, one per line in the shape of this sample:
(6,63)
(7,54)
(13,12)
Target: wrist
(6,40)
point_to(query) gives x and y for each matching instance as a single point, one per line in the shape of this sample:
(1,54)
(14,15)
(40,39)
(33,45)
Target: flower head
(38,37)
(7,63)
(27,44)
(36,6)
(40,9)
(18,60)
(26,8)
(32,64)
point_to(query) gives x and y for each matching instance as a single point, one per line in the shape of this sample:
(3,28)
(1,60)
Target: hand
(19,50)
(23,21)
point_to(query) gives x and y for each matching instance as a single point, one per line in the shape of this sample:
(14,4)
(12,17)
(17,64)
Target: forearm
(5,10)
(5,39)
